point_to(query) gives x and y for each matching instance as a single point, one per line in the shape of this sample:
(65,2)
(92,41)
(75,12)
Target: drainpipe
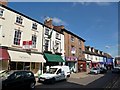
(42,38)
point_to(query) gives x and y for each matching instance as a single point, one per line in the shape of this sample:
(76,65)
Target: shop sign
(71,58)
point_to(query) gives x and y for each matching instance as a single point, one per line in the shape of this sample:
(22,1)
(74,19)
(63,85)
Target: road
(91,81)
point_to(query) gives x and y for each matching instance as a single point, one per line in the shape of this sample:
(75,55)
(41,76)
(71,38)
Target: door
(60,75)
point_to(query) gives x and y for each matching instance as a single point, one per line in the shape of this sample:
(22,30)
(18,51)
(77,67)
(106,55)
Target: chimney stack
(4,2)
(48,22)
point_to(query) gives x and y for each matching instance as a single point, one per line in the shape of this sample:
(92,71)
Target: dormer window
(34,26)
(19,20)
(1,12)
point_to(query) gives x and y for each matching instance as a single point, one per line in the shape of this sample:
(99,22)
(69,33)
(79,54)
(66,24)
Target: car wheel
(32,85)
(53,80)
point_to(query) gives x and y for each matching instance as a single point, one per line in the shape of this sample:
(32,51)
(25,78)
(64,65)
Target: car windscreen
(52,70)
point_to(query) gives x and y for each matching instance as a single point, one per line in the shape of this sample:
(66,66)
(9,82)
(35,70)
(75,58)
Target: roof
(26,16)
(108,56)
(92,53)
(64,30)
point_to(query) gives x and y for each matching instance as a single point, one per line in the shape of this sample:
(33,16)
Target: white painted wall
(53,40)
(9,26)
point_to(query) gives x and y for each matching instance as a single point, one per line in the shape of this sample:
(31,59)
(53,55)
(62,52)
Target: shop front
(71,61)
(109,63)
(26,61)
(82,66)
(52,60)
(4,59)
(88,64)
(95,64)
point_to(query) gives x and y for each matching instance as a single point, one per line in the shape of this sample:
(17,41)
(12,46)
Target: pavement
(80,75)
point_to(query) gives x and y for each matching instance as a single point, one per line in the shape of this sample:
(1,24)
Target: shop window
(17,37)
(20,66)
(32,65)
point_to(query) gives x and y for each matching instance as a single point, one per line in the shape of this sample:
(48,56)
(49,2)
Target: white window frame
(34,41)
(46,45)
(1,12)
(19,19)
(34,26)
(47,31)
(17,37)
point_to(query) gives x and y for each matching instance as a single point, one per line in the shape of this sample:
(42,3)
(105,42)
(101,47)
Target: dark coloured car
(103,70)
(116,70)
(18,79)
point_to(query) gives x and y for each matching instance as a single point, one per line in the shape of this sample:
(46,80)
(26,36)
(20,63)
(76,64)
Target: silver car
(95,70)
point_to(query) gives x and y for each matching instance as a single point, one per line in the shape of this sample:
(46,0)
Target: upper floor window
(72,38)
(80,50)
(17,37)
(1,12)
(46,45)
(19,19)
(34,26)
(46,31)
(80,42)
(87,56)
(56,46)
(73,50)
(34,40)
(57,35)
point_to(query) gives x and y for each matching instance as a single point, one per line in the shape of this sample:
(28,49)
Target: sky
(96,22)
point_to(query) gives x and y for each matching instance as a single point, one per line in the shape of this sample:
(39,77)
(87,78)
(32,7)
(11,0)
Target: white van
(55,73)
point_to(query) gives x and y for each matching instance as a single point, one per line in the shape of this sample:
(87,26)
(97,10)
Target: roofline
(73,34)
(26,16)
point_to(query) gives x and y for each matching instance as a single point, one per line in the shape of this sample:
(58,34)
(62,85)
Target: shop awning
(53,58)
(17,56)
(4,54)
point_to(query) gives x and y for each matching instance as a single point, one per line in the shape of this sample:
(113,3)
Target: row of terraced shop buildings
(26,43)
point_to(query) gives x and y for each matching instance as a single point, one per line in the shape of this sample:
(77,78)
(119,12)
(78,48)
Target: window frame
(34,41)
(58,36)
(17,37)
(34,26)
(47,31)
(46,46)
(19,19)
(1,12)
(72,39)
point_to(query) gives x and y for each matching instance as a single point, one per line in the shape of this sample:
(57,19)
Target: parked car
(116,70)
(103,70)
(55,73)
(2,72)
(95,70)
(18,79)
